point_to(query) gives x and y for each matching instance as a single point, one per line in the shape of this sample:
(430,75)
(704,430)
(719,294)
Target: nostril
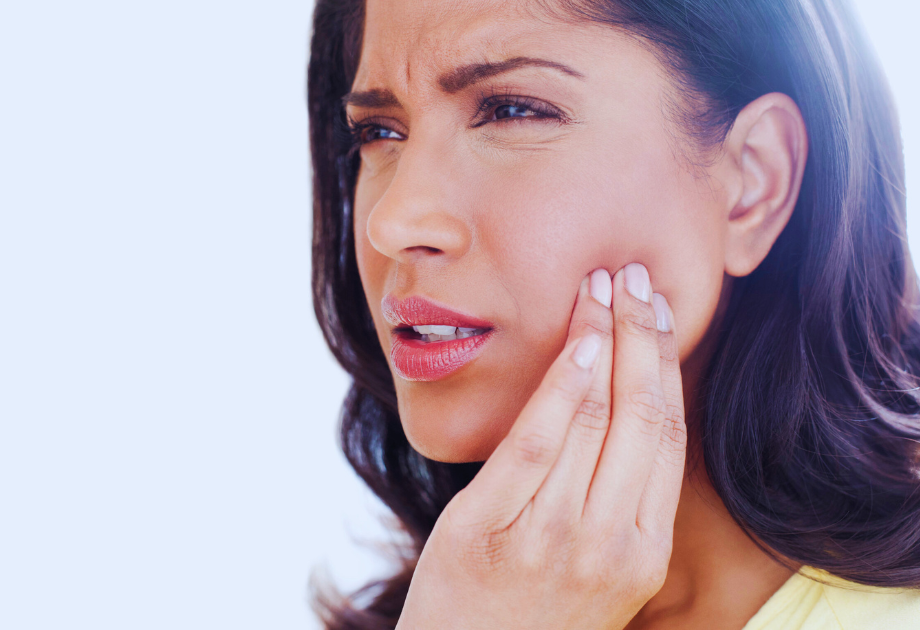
(423,249)
(414,229)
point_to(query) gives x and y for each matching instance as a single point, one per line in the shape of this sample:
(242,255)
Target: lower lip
(416,360)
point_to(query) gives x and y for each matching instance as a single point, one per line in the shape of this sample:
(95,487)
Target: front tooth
(435,330)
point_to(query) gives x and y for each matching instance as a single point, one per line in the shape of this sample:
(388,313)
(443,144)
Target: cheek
(548,227)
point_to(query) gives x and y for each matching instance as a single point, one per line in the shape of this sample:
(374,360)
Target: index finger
(511,476)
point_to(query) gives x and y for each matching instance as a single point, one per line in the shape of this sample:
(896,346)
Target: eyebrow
(456,80)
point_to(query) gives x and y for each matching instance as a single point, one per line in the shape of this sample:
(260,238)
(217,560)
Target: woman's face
(495,191)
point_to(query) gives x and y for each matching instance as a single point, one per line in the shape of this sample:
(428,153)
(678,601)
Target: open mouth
(428,353)
(435,333)
(430,340)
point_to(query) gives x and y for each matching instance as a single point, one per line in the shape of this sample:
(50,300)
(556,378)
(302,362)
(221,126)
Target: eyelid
(488,99)
(491,96)
(354,124)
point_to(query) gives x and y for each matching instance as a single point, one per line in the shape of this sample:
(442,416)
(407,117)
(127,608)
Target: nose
(419,215)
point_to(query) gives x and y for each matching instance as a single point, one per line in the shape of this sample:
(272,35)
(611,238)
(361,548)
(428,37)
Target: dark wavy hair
(810,407)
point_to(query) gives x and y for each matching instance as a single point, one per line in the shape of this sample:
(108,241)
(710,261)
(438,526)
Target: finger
(563,493)
(638,401)
(658,504)
(509,479)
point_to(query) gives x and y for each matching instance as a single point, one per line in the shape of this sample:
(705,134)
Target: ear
(766,150)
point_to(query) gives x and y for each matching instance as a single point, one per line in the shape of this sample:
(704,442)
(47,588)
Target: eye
(513,111)
(368,132)
(502,108)
(509,107)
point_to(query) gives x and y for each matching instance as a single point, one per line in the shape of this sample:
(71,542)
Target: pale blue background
(167,405)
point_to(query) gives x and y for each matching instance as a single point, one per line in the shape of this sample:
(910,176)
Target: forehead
(412,42)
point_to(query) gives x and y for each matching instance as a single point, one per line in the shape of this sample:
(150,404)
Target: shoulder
(864,607)
(816,600)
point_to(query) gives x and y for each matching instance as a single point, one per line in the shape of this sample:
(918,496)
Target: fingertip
(601,287)
(587,351)
(664,318)
(638,282)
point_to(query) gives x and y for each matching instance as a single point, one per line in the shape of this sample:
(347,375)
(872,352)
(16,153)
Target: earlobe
(768,147)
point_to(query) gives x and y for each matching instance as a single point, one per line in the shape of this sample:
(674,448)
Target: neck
(718,578)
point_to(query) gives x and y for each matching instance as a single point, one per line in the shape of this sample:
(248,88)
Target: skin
(504,220)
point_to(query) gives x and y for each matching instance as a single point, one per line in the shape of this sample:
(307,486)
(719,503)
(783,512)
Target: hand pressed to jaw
(610,458)
(638,466)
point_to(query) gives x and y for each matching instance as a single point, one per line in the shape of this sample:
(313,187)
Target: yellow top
(803,604)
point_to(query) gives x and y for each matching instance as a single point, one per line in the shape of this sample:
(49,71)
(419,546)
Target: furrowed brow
(371,99)
(456,80)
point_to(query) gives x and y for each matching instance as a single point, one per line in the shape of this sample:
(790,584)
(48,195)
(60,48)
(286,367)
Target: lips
(417,360)
(417,311)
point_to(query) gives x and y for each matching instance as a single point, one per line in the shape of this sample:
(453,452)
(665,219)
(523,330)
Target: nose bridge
(418,214)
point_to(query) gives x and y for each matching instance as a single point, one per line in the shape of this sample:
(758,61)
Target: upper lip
(414,310)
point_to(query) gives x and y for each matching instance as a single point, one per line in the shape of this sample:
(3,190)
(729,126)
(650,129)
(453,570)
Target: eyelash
(489,99)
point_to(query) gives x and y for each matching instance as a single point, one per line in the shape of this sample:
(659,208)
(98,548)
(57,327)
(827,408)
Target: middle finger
(638,402)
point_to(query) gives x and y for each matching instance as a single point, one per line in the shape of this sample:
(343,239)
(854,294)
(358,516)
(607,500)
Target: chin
(446,454)
(449,433)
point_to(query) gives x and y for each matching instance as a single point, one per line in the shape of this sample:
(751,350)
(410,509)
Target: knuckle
(533,449)
(604,329)
(584,574)
(593,414)
(615,550)
(560,544)
(617,546)
(567,557)
(655,577)
(558,528)
(674,430)
(638,320)
(648,405)
(530,561)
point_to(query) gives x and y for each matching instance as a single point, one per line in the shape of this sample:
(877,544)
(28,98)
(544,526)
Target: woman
(647,261)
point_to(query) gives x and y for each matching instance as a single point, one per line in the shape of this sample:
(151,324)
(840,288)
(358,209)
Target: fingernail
(587,350)
(601,289)
(662,312)
(637,281)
